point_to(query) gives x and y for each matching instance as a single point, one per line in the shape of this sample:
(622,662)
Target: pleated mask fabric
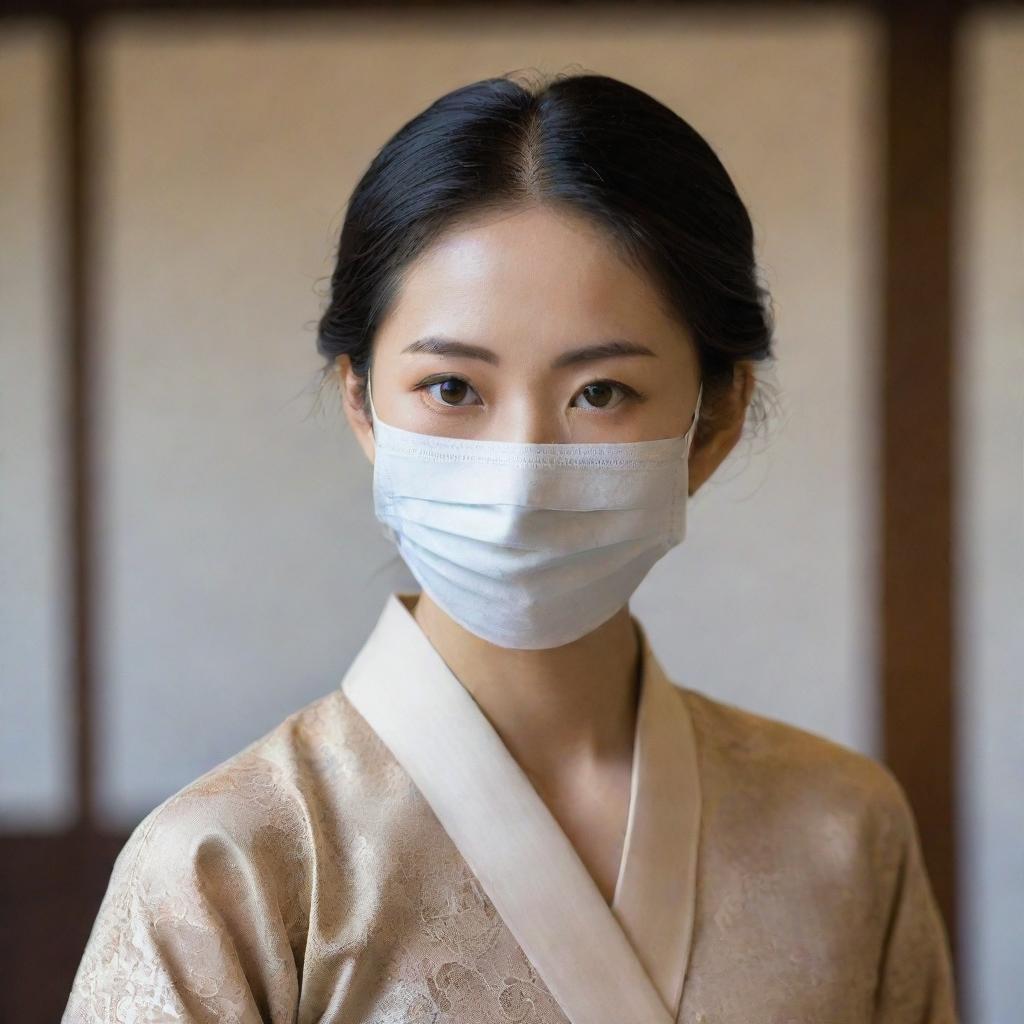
(530,545)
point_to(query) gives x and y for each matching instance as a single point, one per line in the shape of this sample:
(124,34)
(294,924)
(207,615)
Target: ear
(732,413)
(352,390)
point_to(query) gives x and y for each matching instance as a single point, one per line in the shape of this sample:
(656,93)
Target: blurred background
(188,551)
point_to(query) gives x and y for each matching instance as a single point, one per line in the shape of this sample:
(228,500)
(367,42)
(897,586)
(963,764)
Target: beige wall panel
(242,561)
(989,372)
(35,699)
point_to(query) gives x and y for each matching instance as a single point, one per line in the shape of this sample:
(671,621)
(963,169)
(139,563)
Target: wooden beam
(79,8)
(918,656)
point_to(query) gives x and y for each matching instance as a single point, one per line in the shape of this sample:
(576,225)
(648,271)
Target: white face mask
(530,545)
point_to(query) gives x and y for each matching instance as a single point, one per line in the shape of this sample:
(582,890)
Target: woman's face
(527,327)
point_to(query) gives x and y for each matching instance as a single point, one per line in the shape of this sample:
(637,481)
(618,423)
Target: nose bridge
(532,419)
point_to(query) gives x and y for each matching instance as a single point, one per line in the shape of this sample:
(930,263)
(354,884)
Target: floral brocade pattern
(306,881)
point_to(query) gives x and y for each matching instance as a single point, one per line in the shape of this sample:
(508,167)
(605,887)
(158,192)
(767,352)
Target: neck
(573,705)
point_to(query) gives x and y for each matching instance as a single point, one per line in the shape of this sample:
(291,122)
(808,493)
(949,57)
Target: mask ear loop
(696,411)
(369,395)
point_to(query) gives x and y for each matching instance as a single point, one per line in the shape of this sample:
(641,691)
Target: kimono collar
(623,964)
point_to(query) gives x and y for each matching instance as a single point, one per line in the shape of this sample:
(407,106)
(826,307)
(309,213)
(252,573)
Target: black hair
(586,143)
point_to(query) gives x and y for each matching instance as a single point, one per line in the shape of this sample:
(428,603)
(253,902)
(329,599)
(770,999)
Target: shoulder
(802,782)
(254,812)
(211,895)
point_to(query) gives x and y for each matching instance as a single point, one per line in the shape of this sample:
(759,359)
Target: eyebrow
(439,345)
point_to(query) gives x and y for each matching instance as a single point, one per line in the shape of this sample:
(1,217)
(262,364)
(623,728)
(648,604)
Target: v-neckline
(604,964)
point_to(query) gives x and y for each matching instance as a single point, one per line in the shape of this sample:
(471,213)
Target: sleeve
(189,930)
(915,982)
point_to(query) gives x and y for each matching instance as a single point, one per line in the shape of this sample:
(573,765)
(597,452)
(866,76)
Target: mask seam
(567,461)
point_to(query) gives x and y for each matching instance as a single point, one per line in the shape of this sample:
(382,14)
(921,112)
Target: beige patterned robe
(380,858)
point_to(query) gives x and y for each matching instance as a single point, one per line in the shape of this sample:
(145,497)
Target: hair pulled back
(586,143)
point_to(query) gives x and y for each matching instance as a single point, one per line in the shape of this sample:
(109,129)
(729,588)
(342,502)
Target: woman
(544,321)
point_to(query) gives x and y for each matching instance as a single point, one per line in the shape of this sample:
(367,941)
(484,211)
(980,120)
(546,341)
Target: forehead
(550,276)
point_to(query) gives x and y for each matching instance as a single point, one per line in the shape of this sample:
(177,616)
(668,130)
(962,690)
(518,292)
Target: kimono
(380,858)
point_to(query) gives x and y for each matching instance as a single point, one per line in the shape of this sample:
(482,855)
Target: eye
(600,394)
(451,390)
